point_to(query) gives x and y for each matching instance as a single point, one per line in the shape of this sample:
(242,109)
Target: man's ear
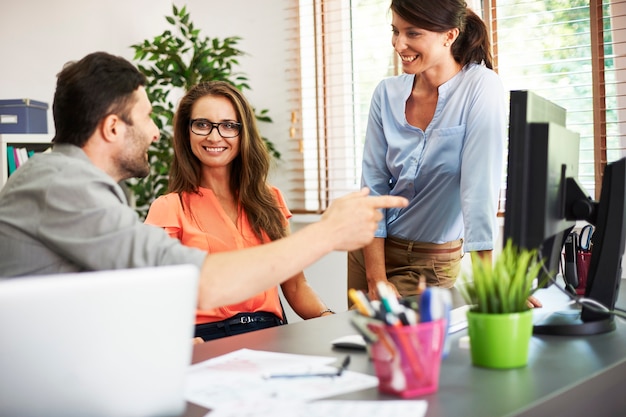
(111,128)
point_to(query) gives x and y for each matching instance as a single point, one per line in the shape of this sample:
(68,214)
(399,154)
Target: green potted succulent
(499,318)
(172,62)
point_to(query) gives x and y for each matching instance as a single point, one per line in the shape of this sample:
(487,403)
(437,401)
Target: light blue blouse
(451,173)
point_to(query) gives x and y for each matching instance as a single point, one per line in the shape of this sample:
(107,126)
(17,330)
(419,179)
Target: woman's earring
(446,44)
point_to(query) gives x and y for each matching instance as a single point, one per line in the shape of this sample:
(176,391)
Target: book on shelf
(17,156)
(23,155)
(11,159)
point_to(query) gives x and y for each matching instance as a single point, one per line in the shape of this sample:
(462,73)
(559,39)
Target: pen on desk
(411,316)
(361,324)
(344,365)
(377,306)
(441,304)
(338,372)
(405,346)
(425,305)
(387,298)
(361,302)
(404,318)
(392,306)
(378,328)
(434,304)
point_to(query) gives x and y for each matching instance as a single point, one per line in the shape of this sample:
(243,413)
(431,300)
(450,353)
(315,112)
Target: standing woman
(435,135)
(219,201)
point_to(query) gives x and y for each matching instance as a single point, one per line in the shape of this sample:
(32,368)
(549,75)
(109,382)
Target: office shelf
(34,142)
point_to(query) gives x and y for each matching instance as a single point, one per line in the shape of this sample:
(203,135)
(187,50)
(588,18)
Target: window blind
(569,53)
(344,51)
(572,52)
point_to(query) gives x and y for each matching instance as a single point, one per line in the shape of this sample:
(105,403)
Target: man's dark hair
(90,89)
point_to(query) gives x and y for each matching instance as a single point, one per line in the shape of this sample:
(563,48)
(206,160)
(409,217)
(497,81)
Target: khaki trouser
(407,261)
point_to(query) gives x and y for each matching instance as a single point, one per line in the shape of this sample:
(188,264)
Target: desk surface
(565,376)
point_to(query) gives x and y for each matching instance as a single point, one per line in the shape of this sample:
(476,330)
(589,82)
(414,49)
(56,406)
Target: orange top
(205,225)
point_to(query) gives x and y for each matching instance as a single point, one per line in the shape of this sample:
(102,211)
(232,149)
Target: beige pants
(407,261)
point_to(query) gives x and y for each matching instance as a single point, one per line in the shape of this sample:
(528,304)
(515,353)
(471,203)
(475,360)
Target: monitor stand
(569,323)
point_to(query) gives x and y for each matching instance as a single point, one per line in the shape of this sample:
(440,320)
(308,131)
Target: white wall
(38,38)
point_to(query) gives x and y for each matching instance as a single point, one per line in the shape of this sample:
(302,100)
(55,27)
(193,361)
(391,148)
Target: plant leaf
(504,285)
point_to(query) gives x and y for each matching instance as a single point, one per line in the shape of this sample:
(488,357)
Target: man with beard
(64,211)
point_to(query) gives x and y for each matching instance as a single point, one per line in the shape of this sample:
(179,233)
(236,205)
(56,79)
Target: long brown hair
(472,45)
(249,170)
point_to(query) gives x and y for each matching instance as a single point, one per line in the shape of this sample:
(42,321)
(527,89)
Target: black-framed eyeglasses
(203,127)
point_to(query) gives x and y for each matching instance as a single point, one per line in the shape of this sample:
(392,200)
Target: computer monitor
(544,200)
(541,152)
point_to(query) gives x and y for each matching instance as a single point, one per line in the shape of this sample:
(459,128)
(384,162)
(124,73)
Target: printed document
(241,376)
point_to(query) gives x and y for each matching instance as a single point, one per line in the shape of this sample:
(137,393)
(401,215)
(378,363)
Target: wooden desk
(566,376)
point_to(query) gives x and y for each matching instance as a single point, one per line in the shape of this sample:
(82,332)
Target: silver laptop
(110,343)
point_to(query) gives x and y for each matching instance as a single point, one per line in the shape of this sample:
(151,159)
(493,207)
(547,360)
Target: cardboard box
(23,116)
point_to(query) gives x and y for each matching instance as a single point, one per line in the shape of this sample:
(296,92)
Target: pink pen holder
(407,359)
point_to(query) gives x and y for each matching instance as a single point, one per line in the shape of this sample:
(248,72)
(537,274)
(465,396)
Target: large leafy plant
(173,62)
(503,286)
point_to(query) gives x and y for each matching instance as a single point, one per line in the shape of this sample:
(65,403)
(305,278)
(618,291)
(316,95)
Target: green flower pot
(500,340)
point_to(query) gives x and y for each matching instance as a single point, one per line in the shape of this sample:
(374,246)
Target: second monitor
(544,200)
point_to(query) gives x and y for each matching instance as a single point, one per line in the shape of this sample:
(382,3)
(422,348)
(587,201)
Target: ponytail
(473,45)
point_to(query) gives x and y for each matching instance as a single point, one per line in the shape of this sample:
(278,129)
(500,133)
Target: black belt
(239,323)
(243,319)
(250,318)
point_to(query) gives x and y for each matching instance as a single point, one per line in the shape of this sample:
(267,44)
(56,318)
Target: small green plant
(503,286)
(173,62)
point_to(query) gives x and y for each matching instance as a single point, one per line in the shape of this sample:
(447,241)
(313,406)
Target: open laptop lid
(110,343)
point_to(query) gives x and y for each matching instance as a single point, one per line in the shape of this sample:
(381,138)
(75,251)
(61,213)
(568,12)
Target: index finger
(387,201)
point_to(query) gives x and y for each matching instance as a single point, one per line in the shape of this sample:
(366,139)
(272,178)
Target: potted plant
(500,319)
(172,62)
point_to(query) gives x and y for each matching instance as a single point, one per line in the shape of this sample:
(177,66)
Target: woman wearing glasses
(219,201)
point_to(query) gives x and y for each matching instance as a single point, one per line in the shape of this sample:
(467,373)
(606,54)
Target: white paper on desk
(416,408)
(238,377)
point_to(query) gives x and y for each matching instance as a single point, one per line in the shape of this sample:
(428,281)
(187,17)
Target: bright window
(545,46)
